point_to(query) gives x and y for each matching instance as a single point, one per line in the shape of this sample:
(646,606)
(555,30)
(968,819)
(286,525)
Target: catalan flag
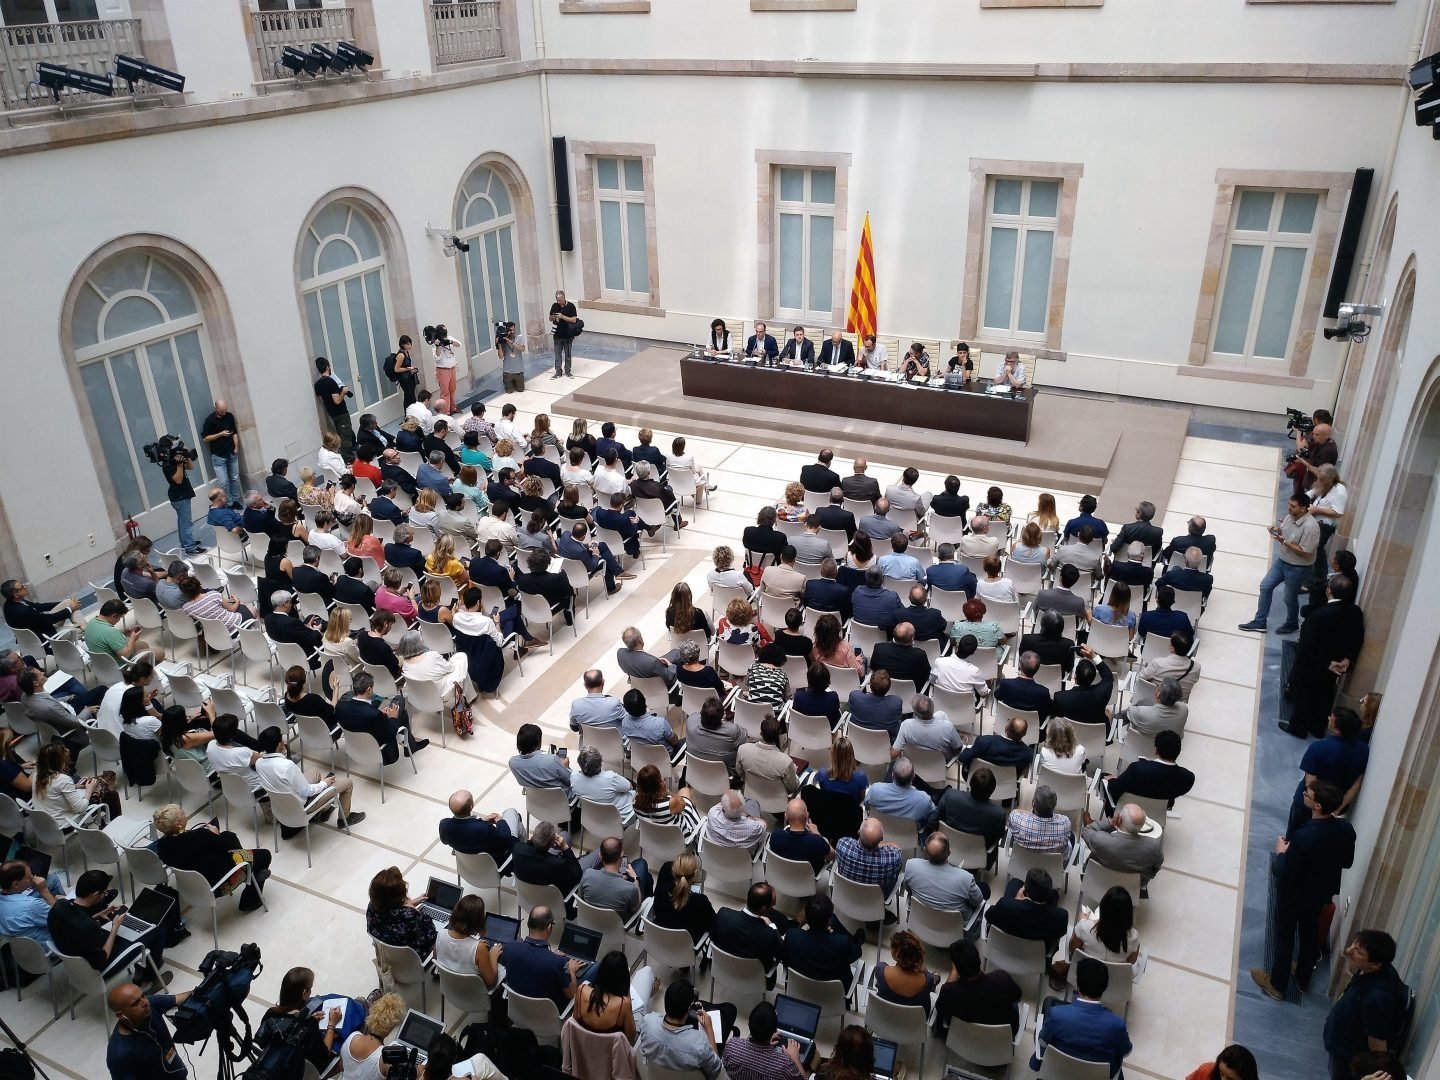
(861,318)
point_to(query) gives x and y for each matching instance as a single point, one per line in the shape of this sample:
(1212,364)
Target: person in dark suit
(351,587)
(1050,644)
(210,852)
(554,587)
(1307,871)
(971,811)
(436,441)
(1006,749)
(647,451)
(576,544)
(875,605)
(284,626)
(835,516)
(546,859)
(1136,574)
(875,707)
(1163,619)
(825,593)
(822,949)
(22,613)
(469,835)
(537,464)
(945,573)
(837,350)
(278,484)
(901,658)
(1087,697)
(1142,529)
(395,473)
(1330,641)
(1151,778)
(372,436)
(357,711)
(818,476)
(308,577)
(799,348)
(382,507)
(400,551)
(617,519)
(1030,911)
(1195,536)
(754,933)
(489,569)
(1084,1028)
(1023,692)
(607,441)
(761,345)
(976,997)
(1190,578)
(929,624)
(950,503)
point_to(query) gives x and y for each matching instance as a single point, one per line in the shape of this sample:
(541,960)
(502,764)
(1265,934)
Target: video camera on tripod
(214,1004)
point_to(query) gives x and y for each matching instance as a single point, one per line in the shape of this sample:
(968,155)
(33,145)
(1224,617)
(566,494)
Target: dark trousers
(343,428)
(1296,916)
(407,388)
(1322,560)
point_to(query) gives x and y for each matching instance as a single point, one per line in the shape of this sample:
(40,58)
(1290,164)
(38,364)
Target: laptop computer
(798,1020)
(501,929)
(149,910)
(440,900)
(15,848)
(418,1031)
(578,943)
(886,1053)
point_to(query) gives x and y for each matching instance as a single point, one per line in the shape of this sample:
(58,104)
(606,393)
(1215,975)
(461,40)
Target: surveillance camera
(460,245)
(1353,330)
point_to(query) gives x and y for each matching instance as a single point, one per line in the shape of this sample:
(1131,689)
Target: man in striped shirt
(1040,828)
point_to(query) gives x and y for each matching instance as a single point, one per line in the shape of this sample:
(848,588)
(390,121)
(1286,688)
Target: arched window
(347,308)
(139,340)
(485,219)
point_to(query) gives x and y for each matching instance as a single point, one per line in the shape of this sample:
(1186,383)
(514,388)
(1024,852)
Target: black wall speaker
(562,193)
(1349,242)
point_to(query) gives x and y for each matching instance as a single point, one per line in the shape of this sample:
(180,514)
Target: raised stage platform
(1119,452)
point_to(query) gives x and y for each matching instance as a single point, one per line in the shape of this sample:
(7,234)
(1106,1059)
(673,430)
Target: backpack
(15,1066)
(389,368)
(283,1057)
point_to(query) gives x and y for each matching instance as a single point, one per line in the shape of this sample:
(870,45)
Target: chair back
(936,927)
(865,637)
(1070,788)
(97,847)
(194,890)
(532,896)
(749,715)
(657,754)
(602,920)
(1023,860)
(1109,640)
(809,733)
(1052,677)
(48,833)
(405,967)
(668,947)
(729,870)
(478,870)
(738,976)
(1006,614)
(289,810)
(967,850)
(930,765)
(599,820)
(721,595)
(12,818)
(1190,602)
(649,1071)
(1002,716)
(791,878)
(191,776)
(547,804)
(1157,810)
(539,1015)
(659,842)
(960,706)
(991,1046)
(707,776)
(906,1025)
(843,680)
(692,697)
(829,994)
(861,902)
(1118,990)
(84,980)
(30,955)
(871,745)
(145,866)
(1096,880)
(185,691)
(859,507)
(898,830)
(69,658)
(1058,1065)
(655,691)
(1017,957)
(734,658)
(770,793)
(608,741)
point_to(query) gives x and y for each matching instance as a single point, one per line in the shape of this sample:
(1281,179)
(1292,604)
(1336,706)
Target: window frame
(584,154)
(625,197)
(52,17)
(767,221)
(807,209)
(1023,225)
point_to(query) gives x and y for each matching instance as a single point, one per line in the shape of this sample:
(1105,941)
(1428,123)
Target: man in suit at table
(835,516)
(825,593)
(761,345)
(798,349)
(837,350)
(818,476)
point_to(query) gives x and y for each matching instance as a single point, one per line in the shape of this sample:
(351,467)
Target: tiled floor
(1190,927)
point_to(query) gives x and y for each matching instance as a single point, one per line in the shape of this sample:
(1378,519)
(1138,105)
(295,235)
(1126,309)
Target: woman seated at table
(917,363)
(719,340)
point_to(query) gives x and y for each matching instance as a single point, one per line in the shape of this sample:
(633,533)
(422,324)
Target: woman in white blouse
(56,792)
(1061,752)
(1328,499)
(461,948)
(422,663)
(329,457)
(995,587)
(679,459)
(1107,933)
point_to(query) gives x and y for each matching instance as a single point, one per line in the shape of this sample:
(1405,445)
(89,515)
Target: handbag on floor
(461,716)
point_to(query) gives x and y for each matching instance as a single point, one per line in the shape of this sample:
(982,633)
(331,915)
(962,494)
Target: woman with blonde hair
(313,491)
(212,854)
(504,457)
(329,457)
(337,644)
(360,1052)
(442,561)
(841,775)
(1044,514)
(432,609)
(581,439)
(542,430)
(792,506)
(422,513)
(677,906)
(363,542)
(409,439)
(1061,751)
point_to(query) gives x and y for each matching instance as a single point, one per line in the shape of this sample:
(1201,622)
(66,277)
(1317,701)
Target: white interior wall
(211,49)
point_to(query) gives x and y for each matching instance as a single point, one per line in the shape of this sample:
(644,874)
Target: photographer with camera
(176,460)
(1314,446)
(444,346)
(142,1047)
(332,394)
(564,325)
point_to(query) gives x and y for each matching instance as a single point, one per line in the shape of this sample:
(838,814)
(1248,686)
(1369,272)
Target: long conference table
(818,392)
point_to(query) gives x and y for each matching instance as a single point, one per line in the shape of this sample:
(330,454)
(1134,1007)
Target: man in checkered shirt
(1040,828)
(870,860)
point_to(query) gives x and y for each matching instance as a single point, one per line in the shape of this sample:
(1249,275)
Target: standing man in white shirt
(277,773)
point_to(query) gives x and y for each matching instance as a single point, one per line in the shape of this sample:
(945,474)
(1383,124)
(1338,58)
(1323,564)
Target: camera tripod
(19,1044)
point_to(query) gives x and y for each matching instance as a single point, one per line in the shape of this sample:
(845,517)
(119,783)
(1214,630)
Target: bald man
(141,1047)
(218,434)
(870,859)
(491,834)
(800,840)
(1323,451)
(1119,844)
(859,486)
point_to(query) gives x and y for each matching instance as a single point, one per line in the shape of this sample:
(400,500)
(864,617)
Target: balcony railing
(465,31)
(276,29)
(89,45)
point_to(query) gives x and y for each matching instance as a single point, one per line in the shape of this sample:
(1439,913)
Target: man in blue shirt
(876,707)
(1371,1011)
(596,558)
(533,969)
(430,476)
(607,442)
(875,605)
(1163,619)
(899,797)
(1086,517)
(800,840)
(900,563)
(643,726)
(1084,1028)
(222,515)
(141,1046)
(949,575)
(596,708)
(1340,759)
(25,902)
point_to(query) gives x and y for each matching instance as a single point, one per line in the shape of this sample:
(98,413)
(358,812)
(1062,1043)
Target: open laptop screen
(419,1030)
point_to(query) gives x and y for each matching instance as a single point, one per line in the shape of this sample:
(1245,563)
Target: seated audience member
(791,637)
(640,725)
(1132,571)
(1108,933)
(533,768)
(818,477)
(1141,530)
(1050,645)
(899,563)
(362,711)
(978,543)
(781,579)
(1116,610)
(394,917)
(869,858)
(309,578)
(905,980)
(596,784)
(934,882)
(986,632)
(875,707)
(1030,910)
(765,1055)
(655,802)
(739,626)
(1151,778)
(762,538)
(496,527)
(765,682)
(947,574)
(816,698)
(1178,665)
(840,775)
(898,796)
(489,834)
(46,708)
(228,753)
(102,635)
(695,671)
(1040,828)
(279,774)
(969,810)
(553,587)
(878,526)
(1008,748)
(1190,577)
(765,760)
(1167,713)
(1080,551)
(1087,698)
(26,901)
(534,969)
(1084,1028)
(875,605)
(615,882)
(755,933)
(799,840)
(995,506)
(352,588)
(546,858)
(810,547)
(792,506)
(1195,536)
(1023,692)
(1061,751)
(596,708)
(1086,517)
(285,626)
(676,905)
(994,586)
(360,1051)
(735,823)
(1029,548)
(927,729)
(974,996)
(1118,844)
(167,589)
(88,926)
(374,649)
(858,486)
(1163,620)
(926,623)
(681,614)
(395,595)
(673,1040)
(607,441)
(832,649)
(460,946)
(709,734)
(822,949)
(833,517)
(1235,1062)
(22,613)
(725,573)
(213,854)
(645,486)
(636,663)
(608,999)
(1062,598)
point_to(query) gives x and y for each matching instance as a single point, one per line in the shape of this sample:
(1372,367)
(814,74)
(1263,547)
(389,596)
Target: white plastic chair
(539,1015)
(742,977)
(671,948)
(1058,1065)
(363,750)
(196,892)
(466,992)
(990,1046)
(406,968)
(905,1025)
(290,812)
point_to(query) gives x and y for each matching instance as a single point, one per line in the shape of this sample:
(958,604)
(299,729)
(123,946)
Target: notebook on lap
(149,910)
(440,900)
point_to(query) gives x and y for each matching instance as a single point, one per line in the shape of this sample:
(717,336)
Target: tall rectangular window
(805,242)
(624,251)
(1267,261)
(1020,224)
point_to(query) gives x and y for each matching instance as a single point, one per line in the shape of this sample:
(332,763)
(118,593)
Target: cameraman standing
(181,493)
(444,346)
(332,394)
(141,1047)
(1323,450)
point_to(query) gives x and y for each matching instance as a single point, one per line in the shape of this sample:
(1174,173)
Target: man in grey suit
(934,882)
(635,662)
(596,708)
(1168,713)
(1118,845)
(810,546)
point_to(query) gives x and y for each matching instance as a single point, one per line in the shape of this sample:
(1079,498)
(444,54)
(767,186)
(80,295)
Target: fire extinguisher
(132,528)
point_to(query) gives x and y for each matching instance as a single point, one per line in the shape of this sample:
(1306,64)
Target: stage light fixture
(352,53)
(293,59)
(1423,73)
(132,70)
(55,78)
(322,57)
